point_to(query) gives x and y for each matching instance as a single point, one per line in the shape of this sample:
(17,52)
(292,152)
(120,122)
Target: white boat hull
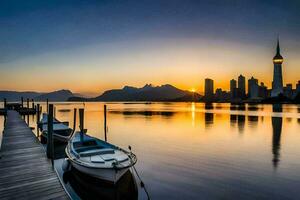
(107,174)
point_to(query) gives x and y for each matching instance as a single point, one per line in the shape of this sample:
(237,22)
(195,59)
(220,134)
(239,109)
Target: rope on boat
(141,182)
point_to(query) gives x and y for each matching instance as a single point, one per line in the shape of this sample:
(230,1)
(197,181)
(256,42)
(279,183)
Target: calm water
(198,151)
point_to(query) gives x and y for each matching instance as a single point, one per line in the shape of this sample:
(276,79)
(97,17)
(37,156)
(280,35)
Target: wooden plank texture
(25,171)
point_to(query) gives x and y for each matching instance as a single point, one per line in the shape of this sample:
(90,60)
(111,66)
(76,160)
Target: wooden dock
(25,171)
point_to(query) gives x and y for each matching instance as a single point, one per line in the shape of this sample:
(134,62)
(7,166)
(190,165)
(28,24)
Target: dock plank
(25,171)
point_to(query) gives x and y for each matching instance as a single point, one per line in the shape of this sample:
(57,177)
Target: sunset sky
(92,46)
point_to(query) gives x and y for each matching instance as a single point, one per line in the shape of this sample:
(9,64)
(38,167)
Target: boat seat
(97,159)
(121,158)
(107,157)
(93,152)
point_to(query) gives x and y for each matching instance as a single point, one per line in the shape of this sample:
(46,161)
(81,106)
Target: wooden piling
(28,119)
(5,103)
(74,119)
(105,126)
(50,133)
(47,105)
(81,123)
(37,119)
(32,105)
(27,103)
(22,102)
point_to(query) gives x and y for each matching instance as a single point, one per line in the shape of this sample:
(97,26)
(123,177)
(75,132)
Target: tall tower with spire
(277,84)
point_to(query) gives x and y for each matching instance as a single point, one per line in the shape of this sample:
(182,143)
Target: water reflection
(239,119)
(209,106)
(298,120)
(87,187)
(253,107)
(233,120)
(253,119)
(277,107)
(277,127)
(209,119)
(241,123)
(144,113)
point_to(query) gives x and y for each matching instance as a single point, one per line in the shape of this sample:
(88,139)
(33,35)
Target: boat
(61,131)
(98,158)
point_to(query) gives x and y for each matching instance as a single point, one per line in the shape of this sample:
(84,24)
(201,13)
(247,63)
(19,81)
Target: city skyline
(256,90)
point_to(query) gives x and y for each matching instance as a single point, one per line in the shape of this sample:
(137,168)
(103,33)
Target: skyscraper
(298,87)
(209,88)
(262,90)
(253,88)
(288,90)
(233,89)
(242,86)
(277,84)
(232,85)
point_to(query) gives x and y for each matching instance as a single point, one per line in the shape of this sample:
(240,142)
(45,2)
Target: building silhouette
(242,86)
(288,90)
(219,93)
(233,89)
(253,88)
(209,89)
(277,84)
(262,91)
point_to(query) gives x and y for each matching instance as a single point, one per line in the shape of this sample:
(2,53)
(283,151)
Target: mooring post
(74,120)
(22,101)
(27,111)
(47,105)
(105,126)
(32,103)
(54,111)
(5,103)
(37,119)
(81,123)
(27,103)
(50,133)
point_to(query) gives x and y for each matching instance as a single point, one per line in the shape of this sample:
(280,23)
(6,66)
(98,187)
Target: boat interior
(97,151)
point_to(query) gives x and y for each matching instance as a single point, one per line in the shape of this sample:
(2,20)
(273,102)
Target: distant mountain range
(16,96)
(147,93)
(60,95)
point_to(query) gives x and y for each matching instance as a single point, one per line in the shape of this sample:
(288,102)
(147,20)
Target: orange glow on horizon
(182,63)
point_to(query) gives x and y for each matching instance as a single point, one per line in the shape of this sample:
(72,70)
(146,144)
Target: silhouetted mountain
(77,98)
(16,96)
(147,93)
(190,96)
(60,95)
